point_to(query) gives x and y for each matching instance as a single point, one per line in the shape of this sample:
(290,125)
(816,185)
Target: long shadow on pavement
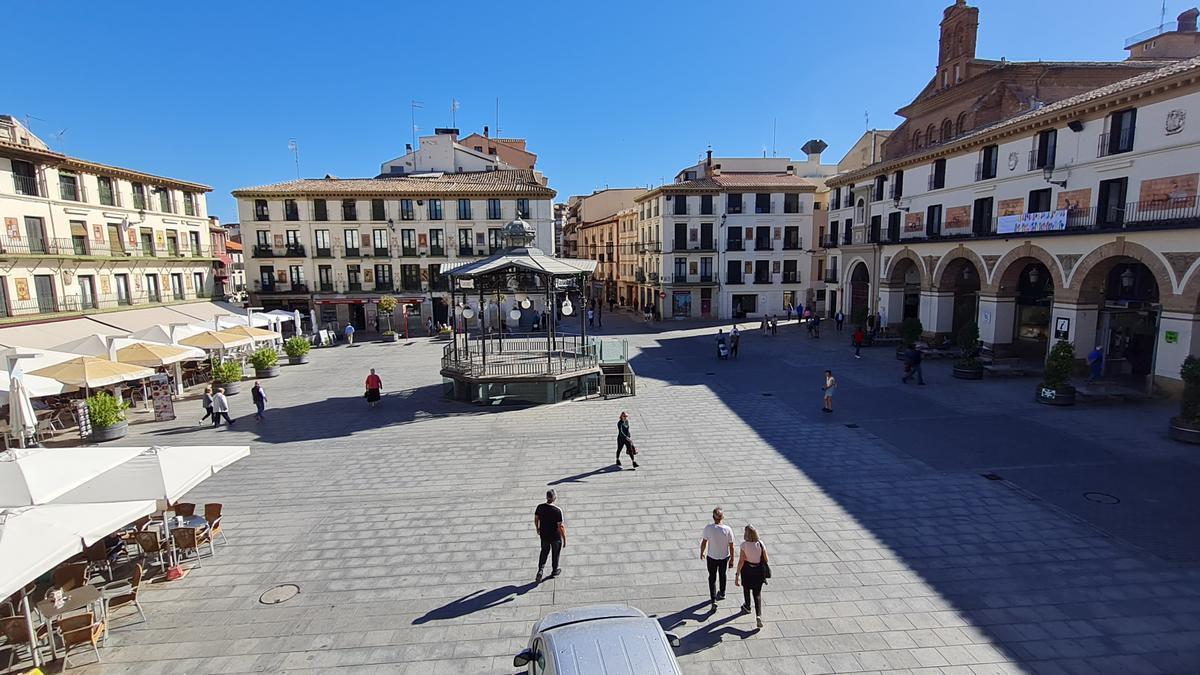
(475,602)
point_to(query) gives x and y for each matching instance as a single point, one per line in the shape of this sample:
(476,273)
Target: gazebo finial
(518,233)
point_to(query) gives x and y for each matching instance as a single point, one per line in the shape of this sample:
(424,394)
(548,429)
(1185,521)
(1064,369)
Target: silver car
(599,640)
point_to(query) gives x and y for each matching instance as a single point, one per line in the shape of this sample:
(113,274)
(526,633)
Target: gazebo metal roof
(519,256)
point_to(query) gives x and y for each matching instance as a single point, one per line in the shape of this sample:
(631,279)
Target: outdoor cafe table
(192,522)
(76,599)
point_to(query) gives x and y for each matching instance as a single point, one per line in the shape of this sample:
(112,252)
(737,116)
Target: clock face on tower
(1012,161)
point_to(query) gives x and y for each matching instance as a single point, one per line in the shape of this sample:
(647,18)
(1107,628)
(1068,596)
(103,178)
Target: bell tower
(956,48)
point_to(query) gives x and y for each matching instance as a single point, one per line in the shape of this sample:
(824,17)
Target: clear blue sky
(617,93)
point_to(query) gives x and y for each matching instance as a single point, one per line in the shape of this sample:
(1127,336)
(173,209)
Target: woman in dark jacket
(624,441)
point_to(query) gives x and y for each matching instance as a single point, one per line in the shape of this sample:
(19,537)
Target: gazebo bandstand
(487,363)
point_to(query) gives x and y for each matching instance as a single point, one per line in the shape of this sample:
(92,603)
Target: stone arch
(1191,289)
(1004,277)
(891,276)
(960,126)
(938,278)
(1097,263)
(917,142)
(931,133)
(947,130)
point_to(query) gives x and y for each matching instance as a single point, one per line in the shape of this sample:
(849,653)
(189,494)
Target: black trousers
(623,443)
(549,546)
(752,583)
(716,568)
(217,418)
(207,413)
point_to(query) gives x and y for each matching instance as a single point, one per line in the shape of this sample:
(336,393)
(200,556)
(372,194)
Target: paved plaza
(408,527)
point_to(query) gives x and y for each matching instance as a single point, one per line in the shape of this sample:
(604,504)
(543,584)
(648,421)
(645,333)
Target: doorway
(860,294)
(1128,323)
(358,316)
(744,305)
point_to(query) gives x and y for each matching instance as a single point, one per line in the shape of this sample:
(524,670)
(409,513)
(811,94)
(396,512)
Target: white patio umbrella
(162,473)
(296,321)
(167,334)
(22,421)
(33,476)
(35,386)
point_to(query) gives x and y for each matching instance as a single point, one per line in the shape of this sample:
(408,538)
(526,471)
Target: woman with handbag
(624,441)
(752,572)
(373,385)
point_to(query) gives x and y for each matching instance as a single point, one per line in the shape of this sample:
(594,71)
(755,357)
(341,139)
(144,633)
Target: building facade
(1074,220)
(595,224)
(82,237)
(731,238)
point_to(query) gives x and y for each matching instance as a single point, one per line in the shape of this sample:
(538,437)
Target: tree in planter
(225,372)
(387,305)
(105,411)
(1189,404)
(264,358)
(911,330)
(968,345)
(1059,366)
(296,347)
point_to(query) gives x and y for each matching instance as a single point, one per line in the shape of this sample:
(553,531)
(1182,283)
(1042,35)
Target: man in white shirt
(716,549)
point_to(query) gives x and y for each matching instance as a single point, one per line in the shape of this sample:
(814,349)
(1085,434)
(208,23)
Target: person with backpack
(912,365)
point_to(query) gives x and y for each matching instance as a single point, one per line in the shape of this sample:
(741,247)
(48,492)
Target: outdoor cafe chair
(16,633)
(70,576)
(151,545)
(185,509)
(98,559)
(189,539)
(79,630)
(123,593)
(212,514)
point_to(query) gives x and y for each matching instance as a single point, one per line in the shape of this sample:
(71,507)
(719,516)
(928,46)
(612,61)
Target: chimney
(813,149)
(791,169)
(407,148)
(715,170)
(485,131)
(1187,20)
(708,159)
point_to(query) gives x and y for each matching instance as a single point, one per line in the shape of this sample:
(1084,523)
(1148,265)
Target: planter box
(394,337)
(1050,396)
(1183,432)
(297,360)
(968,372)
(264,373)
(118,430)
(230,388)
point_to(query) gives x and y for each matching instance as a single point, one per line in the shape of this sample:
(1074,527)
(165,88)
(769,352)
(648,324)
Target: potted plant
(107,416)
(387,305)
(265,362)
(1055,387)
(297,349)
(910,331)
(968,366)
(1186,427)
(390,336)
(227,375)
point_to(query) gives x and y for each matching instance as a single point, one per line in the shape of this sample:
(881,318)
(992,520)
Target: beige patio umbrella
(211,340)
(152,354)
(92,372)
(255,334)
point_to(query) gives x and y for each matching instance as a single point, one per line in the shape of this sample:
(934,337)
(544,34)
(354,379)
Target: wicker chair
(151,545)
(78,630)
(124,593)
(71,575)
(188,539)
(185,509)
(16,631)
(212,514)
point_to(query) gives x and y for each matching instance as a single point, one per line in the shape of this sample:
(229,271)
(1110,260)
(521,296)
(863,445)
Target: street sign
(1062,328)
(662,294)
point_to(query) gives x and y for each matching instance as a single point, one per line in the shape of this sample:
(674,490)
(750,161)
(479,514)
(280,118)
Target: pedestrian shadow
(475,602)
(581,477)
(677,619)
(709,635)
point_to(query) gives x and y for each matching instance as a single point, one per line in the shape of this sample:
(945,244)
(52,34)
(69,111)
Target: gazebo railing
(517,355)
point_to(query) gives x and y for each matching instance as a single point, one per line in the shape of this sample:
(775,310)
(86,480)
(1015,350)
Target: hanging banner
(1042,221)
(160,394)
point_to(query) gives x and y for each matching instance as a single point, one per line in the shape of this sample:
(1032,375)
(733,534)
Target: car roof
(588,613)
(627,645)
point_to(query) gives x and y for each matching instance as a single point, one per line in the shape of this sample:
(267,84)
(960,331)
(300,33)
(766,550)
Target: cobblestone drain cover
(1101,498)
(278,594)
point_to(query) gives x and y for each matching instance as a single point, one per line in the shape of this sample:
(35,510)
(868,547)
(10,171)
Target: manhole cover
(1101,498)
(281,593)
(992,476)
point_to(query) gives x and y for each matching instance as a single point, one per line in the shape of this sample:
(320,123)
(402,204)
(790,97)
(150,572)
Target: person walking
(625,441)
(774,325)
(827,391)
(716,550)
(787,308)
(912,365)
(552,530)
(752,572)
(349,332)
(839,318)
(260,400)
(207,401)
(221,408)
(374,384)
(591,318)
(735,340)
(858,338)
(1095,362)
(816,326)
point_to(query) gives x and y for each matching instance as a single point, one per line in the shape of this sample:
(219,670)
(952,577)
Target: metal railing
(519,355)
(86,303)
(831,276)
(1115,145)
(735,244)
(1047,163)
(26,185)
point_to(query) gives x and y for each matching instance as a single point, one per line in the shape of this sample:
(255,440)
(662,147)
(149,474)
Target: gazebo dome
(518,233)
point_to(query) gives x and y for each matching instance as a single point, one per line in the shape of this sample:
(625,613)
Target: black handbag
(765,565)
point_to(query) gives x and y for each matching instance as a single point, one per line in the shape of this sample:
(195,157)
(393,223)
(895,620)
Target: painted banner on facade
(957,218)
(160,394)
(1011,207)
(913,222)
(1044,221)
(1172,192)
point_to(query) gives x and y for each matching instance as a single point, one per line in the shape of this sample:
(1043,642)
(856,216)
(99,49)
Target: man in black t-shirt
(548,521)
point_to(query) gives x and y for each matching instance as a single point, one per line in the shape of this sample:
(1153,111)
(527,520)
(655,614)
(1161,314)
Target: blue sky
(615,93)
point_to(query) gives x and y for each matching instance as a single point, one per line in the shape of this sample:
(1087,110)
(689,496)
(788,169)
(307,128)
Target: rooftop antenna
(867,120)
(58,139)
(413,105)
(1162,17)
(31,117)
(764,149)
(453,117)
(295,148)
(497,116)
(774,121)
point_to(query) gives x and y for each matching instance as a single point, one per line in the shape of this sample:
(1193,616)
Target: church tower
(960,26)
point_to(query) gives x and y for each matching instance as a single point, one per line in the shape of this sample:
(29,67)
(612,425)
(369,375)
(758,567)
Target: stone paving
(409,527)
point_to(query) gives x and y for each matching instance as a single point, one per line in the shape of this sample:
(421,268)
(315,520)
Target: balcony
(325,287)
(322,253)
(351,253)
(829,241)
(792,244)
(73,192)
(679,245)
(437,252)
(26,185)
(735,245)
(936,182)
(380,252)
(848,238)
(262,251)
(354,287)
(650,247)
(762,244)
(895,191)
(791,277)
(831,276)
(985,171)
(1111,144)
(410,285)
(439,283)
(736,280)
(763,209)
(762,278)
(77,303)
(464,251)
(294,251)
(1046,164)
(408,252)
(384,286)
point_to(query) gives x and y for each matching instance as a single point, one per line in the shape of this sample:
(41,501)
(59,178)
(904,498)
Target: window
(320,210)
(153,290)
(435,209)
(873,232)
(847,231)
(733,239)
(349,209)
(379,238)
(121,281)
(1039,200)
(464,209)
(493,209)
(383,277)
(1110,209)
(68,186)
(762,203)
(680,269)
(988,158)
(410,277)
(406,209)
(266,278)
(194,238)
(79,237)
(523,208)
(791,238)
(654,208)
(1044,148)
(353,278)
(762,238)
(296,277)
(893,226)
(933,220)
(762,271)
(917,140)
(947,130)
(165,203)
(292,238)
(43,288)
(262,238)
(350,239)
(937,175)
(680,205)
(680,241)
(290,210)
(706,205)
(837,199)
(733,271)
(833,233)
(378,212)
(189,204)
(321,243)
(1119,137)
(733,203)
(198,284)
(177,286)
(465,237)
(495,239)
(261,212)
(107,197)
(791,275)
(706,271)
(172,244)
(877,190)
(706,236)
(897,184)
(324,278)
(437,247)
(147,237)
(791,202)
(87,291)
(981,216)
(139,196)
(408,242)
(25,178)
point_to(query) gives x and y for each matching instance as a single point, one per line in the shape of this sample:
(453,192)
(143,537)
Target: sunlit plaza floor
(408,527)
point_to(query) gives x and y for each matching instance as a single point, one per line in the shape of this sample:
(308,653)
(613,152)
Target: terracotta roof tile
(507,181)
